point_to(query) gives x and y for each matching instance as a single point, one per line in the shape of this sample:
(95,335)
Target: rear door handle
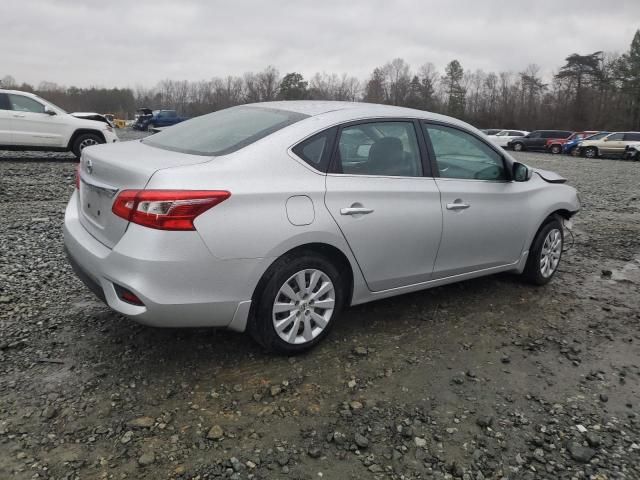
(355,211)
(18,115)
(457,206)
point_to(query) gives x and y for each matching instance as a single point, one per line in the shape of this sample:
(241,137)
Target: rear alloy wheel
(83,141)
(518,147)
(590,152)
(545,253)
(556,149)
(298,304)
(303,306)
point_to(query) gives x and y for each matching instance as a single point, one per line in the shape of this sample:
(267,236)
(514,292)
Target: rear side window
(4,102)
(20,103)
(379,148)
(515,133)
(634,136)
(316,151)
(224,131)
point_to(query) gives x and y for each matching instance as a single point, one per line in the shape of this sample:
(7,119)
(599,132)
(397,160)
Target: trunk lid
(105,170)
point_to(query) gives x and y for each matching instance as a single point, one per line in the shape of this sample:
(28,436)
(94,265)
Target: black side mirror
(520,172)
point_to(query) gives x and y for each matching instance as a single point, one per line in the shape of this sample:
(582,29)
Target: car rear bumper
(179,281)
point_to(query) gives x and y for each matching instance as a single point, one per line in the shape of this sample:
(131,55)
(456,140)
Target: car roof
(20,92)
(336,111)
(357,109)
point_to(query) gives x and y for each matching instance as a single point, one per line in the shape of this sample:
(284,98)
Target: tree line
(596,90)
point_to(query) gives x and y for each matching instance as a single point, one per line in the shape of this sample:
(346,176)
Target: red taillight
(166,209)
(127,295)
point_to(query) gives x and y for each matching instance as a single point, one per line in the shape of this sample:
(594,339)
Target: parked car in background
(569,147)
(346,203)
(503,137)
(554,145)
(28,122)
(491,131)
(632,152)
(612,144)
(536,140)
(148,119)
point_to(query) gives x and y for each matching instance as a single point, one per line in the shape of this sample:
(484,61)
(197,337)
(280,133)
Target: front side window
(4,102)
(535,135)
(20,103)
(615,137)
(461,155)
(379,148)
(224,131)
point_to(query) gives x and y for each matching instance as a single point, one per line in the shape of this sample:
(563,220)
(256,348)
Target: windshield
(597,136)
(224,131)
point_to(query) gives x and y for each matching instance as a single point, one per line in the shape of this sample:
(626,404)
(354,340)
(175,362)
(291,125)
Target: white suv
(28,122)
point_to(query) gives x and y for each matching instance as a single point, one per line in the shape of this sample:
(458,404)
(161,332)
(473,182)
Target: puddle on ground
(628,273)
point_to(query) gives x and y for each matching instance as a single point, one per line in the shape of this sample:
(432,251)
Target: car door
(629,138)
(533,140)
(32,126)
(5,120)
(484,213)
(502,138)
(380,193)
(613,144)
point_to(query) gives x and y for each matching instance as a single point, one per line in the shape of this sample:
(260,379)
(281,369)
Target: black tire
(556,149)
(590,152)
(518,147)
(532,272)
(82,141)
(261,326)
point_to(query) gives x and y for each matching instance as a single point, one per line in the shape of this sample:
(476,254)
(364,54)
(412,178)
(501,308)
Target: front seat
(386,157)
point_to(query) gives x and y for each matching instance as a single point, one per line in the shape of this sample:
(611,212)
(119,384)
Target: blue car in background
(570,146)
(147,119)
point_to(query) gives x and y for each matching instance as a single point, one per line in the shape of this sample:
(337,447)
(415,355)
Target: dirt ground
(489,378)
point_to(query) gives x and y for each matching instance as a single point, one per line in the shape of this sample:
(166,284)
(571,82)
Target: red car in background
(554,145)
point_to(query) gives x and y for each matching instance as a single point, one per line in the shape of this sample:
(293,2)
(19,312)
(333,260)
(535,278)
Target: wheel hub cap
(551,251)
(303,306)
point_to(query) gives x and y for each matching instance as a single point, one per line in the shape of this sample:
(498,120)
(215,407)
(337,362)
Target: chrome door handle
(457,206)
(17,115)
(355,211)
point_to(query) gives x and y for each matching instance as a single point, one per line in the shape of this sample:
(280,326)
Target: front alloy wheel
(556,149)
(545,252)
(551,252)
(303,306)
(590,152)
(517,147)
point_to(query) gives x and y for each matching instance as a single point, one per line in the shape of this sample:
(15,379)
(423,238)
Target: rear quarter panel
(253,223)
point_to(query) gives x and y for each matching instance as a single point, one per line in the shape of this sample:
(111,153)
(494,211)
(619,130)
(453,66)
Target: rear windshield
(224,131)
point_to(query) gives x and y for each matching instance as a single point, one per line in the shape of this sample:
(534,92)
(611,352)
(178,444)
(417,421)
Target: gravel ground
(489,378)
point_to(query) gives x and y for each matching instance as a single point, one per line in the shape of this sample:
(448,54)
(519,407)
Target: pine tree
(456,94)
(630,74)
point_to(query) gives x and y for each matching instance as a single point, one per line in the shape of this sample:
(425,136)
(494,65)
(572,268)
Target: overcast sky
(139,42)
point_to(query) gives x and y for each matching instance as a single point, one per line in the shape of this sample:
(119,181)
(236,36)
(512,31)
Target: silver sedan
(271,218)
